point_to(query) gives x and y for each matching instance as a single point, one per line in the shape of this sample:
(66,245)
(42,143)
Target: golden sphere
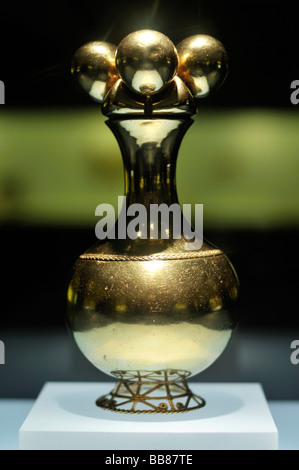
(146,61)
(93,67)
(203,64)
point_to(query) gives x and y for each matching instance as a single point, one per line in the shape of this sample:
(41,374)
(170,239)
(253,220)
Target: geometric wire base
(164,391)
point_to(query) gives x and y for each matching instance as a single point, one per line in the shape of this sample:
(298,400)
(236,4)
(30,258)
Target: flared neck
(149,149)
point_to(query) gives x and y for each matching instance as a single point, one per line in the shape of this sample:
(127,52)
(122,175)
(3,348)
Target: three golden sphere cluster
(147,61)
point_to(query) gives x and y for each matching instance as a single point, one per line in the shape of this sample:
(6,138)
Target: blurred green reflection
(57,166)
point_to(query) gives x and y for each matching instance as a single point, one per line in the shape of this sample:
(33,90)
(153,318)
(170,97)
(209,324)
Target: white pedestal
(64,416)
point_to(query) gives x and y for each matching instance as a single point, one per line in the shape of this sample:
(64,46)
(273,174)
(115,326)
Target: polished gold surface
(141,309)
(174,98)
(146,61)
(203,64)
(164,391)
(93,67)
(146,74)
(153,315)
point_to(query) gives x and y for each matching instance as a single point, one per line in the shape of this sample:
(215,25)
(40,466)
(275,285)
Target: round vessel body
(165,311)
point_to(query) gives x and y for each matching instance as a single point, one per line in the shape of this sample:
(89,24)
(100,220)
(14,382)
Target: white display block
(64,416)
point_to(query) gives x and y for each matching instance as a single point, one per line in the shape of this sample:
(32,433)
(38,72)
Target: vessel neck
(149,149)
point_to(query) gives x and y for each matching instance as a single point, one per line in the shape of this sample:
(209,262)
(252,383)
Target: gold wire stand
(164,391)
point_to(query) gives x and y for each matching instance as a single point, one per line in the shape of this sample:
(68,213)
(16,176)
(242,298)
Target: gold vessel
(145,309)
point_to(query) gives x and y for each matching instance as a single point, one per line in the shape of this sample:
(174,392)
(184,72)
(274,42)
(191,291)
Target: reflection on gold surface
(121,346)
(203,64)
(153,267)
(146,60)
(93,67)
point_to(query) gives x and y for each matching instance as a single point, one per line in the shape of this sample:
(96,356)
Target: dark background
(38,40)
(37,43)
